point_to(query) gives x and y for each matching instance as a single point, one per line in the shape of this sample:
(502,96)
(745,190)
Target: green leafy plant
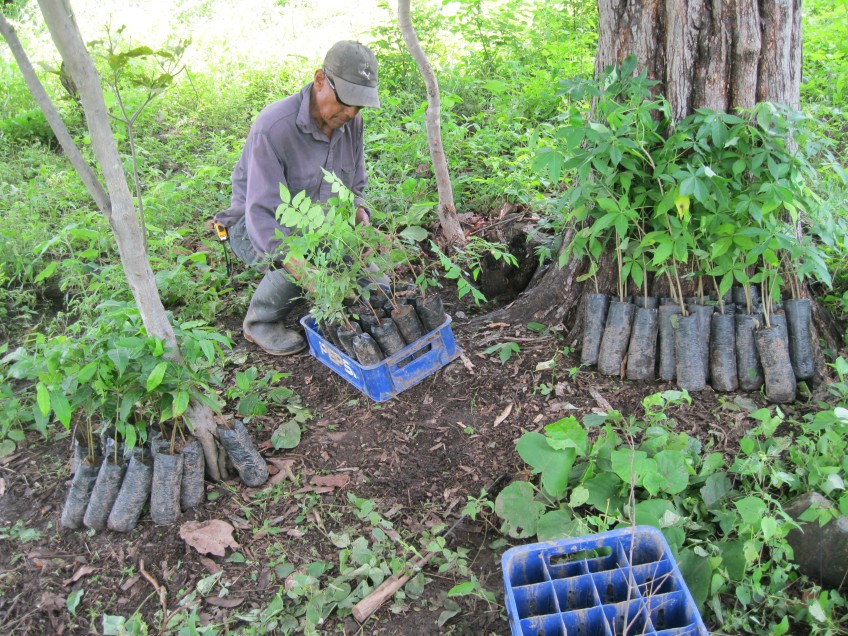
(117,374)
(142,69)
(505,350)
(327,251)
(717,194)
(467,263)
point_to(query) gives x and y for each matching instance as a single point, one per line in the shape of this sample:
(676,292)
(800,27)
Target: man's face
(333,113)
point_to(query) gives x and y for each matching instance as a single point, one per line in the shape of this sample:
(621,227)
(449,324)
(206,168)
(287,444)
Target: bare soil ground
(417,457)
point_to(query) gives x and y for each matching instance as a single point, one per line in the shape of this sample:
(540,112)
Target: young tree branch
(446,211)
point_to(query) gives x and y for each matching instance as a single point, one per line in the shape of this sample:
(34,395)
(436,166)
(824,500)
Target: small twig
(600,399)
(160,589)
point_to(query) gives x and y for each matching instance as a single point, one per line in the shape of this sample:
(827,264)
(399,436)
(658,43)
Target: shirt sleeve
(262,194)
(360,178)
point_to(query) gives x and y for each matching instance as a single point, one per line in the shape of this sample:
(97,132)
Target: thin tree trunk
(447,211)
(118,208)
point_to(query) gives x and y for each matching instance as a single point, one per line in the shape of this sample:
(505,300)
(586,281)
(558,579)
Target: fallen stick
(387,589)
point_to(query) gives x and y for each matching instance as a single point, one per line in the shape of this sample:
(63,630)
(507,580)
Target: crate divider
(548,625)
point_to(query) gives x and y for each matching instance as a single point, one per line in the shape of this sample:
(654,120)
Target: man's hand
(362,217)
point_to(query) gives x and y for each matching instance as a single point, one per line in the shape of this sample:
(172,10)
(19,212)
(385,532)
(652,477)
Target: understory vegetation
(73,348)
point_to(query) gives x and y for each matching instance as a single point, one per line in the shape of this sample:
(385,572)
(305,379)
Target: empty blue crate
(387,378)
(619,582)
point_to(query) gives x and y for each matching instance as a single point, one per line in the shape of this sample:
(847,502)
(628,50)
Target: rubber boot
(263,324)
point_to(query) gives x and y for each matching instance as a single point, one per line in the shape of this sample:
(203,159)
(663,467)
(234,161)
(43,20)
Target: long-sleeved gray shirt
(285,146)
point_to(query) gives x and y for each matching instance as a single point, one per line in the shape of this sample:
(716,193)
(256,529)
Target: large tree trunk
(119,208)
(705,54)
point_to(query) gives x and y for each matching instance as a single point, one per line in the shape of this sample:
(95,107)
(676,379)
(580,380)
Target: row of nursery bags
(650,338)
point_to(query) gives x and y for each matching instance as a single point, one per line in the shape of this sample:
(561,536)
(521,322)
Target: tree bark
(446,211)
(718,54)
(715,54)
(118,208)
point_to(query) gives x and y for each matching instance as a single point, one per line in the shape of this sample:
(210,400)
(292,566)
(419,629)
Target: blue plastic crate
(387,378)
(619,582)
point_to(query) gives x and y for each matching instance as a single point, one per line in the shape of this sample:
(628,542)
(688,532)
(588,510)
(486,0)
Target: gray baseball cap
(353,68)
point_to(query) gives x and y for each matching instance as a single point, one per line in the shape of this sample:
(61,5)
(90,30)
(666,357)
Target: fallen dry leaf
(209,537)
(504,414)
(84,570)
(337,480)
(2,486)
(130,582)
(280,469)
(210,565)
(228,602)
(466,361)
(50,601)
(600,399)
(239,523)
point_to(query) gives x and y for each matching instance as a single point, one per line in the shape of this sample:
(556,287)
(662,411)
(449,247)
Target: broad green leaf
(73,600)
(671,467)
(87,372)
(156,376)
(47,272)
(61,407)
(517,506)
(287,435)
(181,400)
(697,573)
(662,252)
(716,487)
(7,447)
(42,398)
(113,625)
(781,628)
(751,509)
(549,163)
(632,465)
(604,492)
(733,559)
(579,496)
(415,233)
(207,584)
(558,524)
(817,611)
(120,357)
(554,465)
(769,526)
(652,512)
(463,589)
(681,204)
(567,433)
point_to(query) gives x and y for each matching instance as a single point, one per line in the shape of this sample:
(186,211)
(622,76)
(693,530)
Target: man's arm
(262,194)
(360,180)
